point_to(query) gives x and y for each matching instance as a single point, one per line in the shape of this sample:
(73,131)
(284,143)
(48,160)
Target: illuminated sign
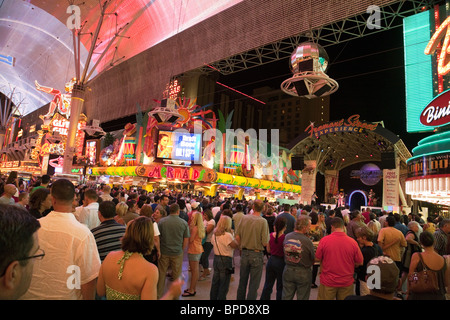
(61,125)
(172,91)
(196,173)
(443,64)
(437,112)
(433,164)
(91,151)
(179,146)
(352,124)
(418,69)
(369,174)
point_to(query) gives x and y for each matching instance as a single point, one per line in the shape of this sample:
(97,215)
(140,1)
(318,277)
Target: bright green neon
(418,69)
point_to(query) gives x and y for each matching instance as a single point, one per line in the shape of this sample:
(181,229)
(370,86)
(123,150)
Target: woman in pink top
(275,264)
(195,249)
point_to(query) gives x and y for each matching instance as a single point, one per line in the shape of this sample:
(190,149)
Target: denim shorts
(194,256)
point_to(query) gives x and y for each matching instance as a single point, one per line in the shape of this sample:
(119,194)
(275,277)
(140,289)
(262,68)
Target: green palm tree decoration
(223,124)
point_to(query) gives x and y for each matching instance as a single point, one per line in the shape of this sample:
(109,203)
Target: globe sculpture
(308,63)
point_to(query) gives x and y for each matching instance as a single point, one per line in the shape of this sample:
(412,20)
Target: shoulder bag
(227,270)
(424,281)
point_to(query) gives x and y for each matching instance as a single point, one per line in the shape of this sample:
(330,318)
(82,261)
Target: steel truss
(391,16)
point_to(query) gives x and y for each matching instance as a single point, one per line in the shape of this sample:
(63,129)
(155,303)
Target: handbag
(424,281)
(227,270)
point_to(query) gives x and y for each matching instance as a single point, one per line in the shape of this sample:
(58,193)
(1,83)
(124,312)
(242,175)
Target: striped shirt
(108,236)
(440,243)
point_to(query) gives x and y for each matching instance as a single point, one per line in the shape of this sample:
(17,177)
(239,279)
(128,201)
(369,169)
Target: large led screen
(182,146)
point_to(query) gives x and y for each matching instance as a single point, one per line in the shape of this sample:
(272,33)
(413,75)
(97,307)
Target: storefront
(170,150)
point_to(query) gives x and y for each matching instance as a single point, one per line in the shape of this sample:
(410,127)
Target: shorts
(194,256)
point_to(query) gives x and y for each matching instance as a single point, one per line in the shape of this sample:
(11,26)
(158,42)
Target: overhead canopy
(36,42)
(339,144)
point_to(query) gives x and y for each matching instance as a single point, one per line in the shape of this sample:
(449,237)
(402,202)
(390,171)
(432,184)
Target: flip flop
(188,294)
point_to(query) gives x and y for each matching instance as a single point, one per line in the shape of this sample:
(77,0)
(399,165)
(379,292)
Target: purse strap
(220,255)
(424,266)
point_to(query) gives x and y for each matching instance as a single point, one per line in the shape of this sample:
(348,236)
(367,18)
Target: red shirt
(338,254)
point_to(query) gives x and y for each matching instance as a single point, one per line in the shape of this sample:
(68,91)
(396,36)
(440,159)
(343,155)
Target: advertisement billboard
(181,146)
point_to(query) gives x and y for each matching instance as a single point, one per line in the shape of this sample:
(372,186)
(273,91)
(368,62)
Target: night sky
(370,73)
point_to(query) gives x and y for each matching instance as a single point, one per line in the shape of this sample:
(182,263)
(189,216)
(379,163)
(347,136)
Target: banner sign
(391,179)
(308,181)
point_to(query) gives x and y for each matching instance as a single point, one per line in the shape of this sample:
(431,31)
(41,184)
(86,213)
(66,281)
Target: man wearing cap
(382,280)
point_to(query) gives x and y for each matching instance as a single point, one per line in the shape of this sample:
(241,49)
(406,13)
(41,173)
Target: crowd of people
(66,241)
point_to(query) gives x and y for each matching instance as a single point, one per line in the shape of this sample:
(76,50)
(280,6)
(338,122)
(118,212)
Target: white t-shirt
(88,215)
(71,259)
(222,246)
(155,229)
(207,223)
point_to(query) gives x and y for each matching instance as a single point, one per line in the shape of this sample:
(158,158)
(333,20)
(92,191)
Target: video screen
(182,146)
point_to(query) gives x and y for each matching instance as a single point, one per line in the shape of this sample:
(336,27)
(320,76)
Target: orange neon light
(443,64)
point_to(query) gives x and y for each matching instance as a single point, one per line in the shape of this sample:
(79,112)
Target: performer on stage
(340,200)
(314,199)
(371,198)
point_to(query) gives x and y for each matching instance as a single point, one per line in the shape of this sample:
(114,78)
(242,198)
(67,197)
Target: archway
(352,194)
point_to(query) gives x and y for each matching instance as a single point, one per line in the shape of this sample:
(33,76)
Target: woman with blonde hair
(126,274)
(223,244)
(195,250)
(121,210)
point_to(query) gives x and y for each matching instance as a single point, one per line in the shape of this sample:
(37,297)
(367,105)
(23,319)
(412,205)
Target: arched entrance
(356,203)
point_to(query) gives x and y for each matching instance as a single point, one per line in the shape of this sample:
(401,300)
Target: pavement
(203,287)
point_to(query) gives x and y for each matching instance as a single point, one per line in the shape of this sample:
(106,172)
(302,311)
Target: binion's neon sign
(442,32)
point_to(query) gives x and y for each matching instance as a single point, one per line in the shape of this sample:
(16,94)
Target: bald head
(10,190)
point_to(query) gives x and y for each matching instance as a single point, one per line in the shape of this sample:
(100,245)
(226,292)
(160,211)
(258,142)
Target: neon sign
(172,91)
(351,125)
(91,151)
(443,64)
(437,112)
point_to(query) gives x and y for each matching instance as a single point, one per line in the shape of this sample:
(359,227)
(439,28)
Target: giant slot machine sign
(51,141)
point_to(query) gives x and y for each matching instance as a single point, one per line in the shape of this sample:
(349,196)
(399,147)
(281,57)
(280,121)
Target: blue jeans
(252,264)
(296,280)
(274,272)
(221,279)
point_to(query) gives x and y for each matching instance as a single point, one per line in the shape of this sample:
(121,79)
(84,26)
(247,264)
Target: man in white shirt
(106,193)
(88,213)
(70,267)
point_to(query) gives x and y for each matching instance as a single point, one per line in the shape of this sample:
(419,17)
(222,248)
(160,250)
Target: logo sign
(352,124)
(437,112)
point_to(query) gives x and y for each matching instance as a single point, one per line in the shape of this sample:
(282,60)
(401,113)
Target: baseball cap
(389,273)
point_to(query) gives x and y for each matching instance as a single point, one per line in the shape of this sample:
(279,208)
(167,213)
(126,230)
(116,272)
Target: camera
(229,270)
